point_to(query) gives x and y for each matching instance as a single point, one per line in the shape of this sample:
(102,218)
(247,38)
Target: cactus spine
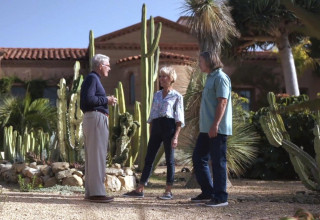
(70,117)
(149,65)
(307,168)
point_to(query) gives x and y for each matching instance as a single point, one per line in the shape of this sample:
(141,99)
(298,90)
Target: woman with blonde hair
(166,119)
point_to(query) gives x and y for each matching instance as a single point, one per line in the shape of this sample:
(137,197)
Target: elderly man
(94,104)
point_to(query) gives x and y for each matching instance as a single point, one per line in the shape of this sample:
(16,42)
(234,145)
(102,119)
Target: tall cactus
(149,66)
(91,49)
(70,117)
(307,168)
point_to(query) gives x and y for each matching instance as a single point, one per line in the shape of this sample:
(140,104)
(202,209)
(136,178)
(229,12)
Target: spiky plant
(24,113)
(211,22)
(241,150)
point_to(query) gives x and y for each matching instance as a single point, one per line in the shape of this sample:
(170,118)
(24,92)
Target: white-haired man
(94,104)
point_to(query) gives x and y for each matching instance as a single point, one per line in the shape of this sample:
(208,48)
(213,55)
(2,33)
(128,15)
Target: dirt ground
(248,199)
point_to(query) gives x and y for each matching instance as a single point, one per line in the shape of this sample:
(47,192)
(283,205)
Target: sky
(66,23)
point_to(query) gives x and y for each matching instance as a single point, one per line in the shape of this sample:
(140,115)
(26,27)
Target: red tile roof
(44,53)
(173,57)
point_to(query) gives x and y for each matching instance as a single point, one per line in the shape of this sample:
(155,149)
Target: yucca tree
(211,22)
(24,113)
(241,150)
(266,22)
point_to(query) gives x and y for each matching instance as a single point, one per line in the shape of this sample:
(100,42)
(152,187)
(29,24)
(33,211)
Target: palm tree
(23,114)
(266,22)
(211,22)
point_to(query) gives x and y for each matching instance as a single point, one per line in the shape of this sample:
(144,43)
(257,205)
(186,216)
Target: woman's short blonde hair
(169,71)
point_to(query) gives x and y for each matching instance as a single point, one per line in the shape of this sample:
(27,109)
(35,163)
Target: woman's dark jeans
(214,149)
(163,130)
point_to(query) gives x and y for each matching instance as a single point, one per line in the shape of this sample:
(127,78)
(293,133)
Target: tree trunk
(288,67)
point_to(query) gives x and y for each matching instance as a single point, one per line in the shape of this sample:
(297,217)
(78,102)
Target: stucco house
(178,49)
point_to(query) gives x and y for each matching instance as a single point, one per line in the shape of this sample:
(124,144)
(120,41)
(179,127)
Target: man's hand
(112,100)
(213,132)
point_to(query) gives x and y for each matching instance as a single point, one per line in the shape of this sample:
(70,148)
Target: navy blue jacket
(93,96)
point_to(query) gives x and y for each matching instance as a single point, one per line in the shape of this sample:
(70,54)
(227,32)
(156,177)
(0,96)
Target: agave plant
(241,150)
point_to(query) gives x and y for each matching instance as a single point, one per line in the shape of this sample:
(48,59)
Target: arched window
(132,89)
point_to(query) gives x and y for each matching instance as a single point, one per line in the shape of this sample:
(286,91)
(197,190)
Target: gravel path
(248,200)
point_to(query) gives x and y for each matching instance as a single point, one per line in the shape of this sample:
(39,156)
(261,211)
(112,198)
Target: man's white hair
(99,59)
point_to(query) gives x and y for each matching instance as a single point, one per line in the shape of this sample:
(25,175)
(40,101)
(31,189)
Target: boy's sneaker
(201,198)
(166,196)
(215,203)
(134,194)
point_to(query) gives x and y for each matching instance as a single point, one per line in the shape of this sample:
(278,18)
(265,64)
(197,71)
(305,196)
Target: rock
(45,178)
(128,172)
(59,166)
(5,167)
(18,167)
(46,170)
(50,182)
(112,183)
(114,171)
(116,165)
(30,172)
(64,174)
(38,181)
(10,176)
(78,173)
(33,165)
(128,182)
(73,180)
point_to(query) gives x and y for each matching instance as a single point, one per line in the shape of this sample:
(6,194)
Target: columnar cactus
(70,117)
(8,143)
(16,146)
(307,168)
(91,49)
(149,69)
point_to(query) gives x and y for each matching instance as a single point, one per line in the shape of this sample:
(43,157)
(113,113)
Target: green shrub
(24,186)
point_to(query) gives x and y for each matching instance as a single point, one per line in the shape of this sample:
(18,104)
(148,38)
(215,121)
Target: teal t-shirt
(218,84)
